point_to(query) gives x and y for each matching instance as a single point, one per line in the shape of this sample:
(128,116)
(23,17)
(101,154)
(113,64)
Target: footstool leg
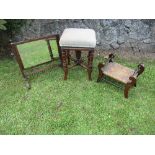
(65,66)
(100,75)
(90,63)
(68,57)
(126,90)
(130,83)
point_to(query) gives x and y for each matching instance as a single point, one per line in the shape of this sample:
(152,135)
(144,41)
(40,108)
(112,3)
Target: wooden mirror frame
(24,71)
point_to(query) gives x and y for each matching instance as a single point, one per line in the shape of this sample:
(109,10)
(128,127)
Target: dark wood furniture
(78,40)
(66,57)
(26,72)
(120,73)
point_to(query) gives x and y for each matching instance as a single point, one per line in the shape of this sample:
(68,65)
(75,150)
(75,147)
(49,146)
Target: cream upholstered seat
(77,37)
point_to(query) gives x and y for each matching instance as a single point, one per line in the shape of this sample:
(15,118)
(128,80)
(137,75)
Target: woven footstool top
(118,72)
(75,37)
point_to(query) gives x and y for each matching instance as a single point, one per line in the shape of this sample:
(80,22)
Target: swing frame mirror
(27,71)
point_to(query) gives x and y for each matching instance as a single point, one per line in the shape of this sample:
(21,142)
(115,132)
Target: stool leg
(126,91)
(130,84)
(90,63)
(78,57)
(59,49)
(64,61)
(68,56)
(127,88)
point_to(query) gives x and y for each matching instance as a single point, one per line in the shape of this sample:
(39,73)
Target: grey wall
(136,35)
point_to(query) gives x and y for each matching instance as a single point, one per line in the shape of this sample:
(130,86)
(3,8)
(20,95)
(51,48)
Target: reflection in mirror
(36,52)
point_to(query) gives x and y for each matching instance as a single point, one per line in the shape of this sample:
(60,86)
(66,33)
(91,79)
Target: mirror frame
(24,71)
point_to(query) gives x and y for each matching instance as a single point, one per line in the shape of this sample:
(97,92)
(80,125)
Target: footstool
(120,73)
(78,40)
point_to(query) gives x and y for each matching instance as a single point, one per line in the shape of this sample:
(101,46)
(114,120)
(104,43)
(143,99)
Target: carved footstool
(120,73)
(78,40)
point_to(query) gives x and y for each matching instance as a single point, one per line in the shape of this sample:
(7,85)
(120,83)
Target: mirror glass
(36,52)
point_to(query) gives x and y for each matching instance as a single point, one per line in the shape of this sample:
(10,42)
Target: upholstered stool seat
(79,40)
(73,37)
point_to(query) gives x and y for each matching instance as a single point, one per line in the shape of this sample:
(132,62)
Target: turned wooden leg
(64,61)
(100,75)
(78,56)
(68,57)
(90,63)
